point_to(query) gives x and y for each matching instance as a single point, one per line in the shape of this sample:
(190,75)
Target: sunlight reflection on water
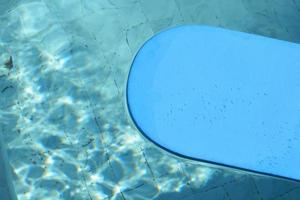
(71,136)
(67,130)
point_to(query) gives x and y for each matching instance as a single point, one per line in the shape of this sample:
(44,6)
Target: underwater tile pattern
(62,104)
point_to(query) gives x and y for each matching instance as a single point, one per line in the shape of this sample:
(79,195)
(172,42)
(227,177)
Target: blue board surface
(220,96)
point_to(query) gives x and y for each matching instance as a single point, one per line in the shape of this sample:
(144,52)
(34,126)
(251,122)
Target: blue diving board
(220,96)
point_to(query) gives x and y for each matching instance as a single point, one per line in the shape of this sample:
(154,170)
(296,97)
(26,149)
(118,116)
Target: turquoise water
(63,116)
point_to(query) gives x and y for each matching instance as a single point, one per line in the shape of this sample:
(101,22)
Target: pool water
(63,117)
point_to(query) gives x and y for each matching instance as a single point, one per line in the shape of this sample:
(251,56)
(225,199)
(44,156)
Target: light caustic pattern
(63,114)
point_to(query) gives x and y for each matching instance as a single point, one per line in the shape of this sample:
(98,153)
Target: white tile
(137,36)
(66,10)
(157,9)
(131,15)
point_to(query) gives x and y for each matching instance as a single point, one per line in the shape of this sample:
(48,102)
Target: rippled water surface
(63,70)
